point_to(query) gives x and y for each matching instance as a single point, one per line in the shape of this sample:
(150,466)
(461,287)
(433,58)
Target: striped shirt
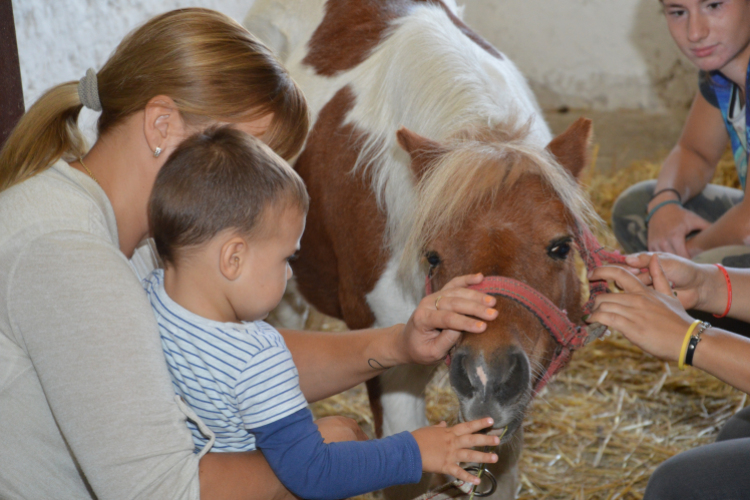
(236,376)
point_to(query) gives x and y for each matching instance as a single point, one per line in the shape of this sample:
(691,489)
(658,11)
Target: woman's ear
(232,257)
(163,125)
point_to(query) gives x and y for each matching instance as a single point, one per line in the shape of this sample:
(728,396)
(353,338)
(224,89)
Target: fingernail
(675,293)
(490,421)
(487,299)
(494,458)
(586,317)
(481,324)
(490,312)
(588,274)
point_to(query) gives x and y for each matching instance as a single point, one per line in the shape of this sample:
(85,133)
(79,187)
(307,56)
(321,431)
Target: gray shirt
(86,403)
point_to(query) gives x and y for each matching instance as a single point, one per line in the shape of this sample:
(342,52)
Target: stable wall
(595,54)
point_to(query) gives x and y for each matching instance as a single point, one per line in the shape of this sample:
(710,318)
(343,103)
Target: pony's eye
(559,250)
(433,258)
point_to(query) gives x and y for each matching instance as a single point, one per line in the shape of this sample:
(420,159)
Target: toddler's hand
(443,447)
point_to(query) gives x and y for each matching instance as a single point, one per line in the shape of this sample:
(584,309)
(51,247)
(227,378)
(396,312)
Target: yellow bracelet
(685,342)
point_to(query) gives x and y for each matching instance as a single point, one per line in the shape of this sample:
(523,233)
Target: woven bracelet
(660,205)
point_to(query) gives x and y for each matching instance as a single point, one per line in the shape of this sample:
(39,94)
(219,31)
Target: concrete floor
(624,136)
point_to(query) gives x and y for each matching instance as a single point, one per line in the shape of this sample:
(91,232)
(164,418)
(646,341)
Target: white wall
(59,39)
(600,54)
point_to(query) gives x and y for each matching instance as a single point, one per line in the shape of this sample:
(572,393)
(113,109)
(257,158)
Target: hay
(605,422)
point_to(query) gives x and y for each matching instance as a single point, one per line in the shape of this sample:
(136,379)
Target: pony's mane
(478,164)
(428,76)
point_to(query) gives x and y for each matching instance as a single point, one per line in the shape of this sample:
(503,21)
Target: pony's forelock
(478,164)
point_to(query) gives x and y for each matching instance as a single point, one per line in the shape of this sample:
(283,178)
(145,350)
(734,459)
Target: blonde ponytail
(211,67)
(47,132)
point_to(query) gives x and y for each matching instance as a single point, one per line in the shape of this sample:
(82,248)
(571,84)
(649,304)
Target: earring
(157,152)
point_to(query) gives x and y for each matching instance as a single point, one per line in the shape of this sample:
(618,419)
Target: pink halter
(568,336)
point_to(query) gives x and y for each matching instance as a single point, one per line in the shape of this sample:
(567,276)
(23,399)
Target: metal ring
(488,475)
(436,302)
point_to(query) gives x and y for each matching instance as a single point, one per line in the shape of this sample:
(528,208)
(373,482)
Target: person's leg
(714,471)
(629,217)
(717,471)
(736,427)
(629,213)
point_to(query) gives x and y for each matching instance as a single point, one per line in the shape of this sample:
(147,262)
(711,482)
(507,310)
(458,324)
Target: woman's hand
(437,323)
(687,278)
(669,227)
(651,318)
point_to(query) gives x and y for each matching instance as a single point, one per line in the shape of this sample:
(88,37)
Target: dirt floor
(614,414)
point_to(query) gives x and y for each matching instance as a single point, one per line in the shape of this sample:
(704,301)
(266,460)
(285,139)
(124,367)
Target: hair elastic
(88,91)
(729,291)
(668,190)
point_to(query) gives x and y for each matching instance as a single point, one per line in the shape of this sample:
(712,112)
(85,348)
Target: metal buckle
(485,474)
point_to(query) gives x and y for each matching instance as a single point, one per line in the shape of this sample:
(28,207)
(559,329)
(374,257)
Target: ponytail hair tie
(88,91)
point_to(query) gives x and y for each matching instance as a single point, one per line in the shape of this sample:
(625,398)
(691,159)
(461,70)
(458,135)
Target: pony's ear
(571,148)
(422,150)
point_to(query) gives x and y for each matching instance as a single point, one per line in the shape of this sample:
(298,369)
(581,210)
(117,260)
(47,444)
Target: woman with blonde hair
(87,408)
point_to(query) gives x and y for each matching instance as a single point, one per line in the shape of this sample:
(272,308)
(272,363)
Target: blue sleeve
(707,89)
(314,470)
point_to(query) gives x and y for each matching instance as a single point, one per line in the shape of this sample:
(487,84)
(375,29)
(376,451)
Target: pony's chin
(505,432)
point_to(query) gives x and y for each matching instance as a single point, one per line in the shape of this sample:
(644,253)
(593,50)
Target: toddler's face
(266,266)
(710,33)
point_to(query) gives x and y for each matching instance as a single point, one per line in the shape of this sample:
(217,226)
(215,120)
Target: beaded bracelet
(729,291)
(660,205)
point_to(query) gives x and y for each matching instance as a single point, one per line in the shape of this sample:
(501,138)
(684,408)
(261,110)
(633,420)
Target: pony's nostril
(459,377)
(512,377)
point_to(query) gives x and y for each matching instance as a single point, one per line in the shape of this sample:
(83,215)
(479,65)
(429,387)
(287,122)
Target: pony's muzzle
(493,385)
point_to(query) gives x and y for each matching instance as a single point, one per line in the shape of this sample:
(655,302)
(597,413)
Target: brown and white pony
(471,183)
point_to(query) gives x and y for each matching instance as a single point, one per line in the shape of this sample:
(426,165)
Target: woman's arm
(688,168)
(698,286)
(329,363)
(85,323)
(654,320)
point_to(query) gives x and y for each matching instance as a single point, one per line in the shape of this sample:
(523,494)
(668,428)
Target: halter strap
(568,336)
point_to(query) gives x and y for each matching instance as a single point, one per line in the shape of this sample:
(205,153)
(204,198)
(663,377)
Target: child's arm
(311,469)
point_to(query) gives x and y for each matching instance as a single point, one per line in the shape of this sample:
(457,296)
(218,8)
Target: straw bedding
(606,421)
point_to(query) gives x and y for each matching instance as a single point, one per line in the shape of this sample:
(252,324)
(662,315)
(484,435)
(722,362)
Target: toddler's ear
(231,258)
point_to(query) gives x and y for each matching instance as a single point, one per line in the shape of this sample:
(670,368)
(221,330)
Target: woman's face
(711,33)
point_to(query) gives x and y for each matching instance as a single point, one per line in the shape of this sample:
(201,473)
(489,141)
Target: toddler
(227,215)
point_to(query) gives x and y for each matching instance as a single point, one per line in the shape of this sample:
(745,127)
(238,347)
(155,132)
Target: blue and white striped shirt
(235,376)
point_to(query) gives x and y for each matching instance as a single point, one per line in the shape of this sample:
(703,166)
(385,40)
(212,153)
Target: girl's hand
(651,318)
(443,448)
(438,321)
(669,227)
(686,277)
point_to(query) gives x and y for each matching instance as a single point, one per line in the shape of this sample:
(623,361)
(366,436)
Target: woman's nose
(697,27)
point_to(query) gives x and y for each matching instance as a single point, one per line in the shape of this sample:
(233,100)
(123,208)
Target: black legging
(717,471)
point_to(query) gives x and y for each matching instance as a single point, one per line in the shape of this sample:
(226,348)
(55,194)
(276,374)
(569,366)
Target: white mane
(425,75)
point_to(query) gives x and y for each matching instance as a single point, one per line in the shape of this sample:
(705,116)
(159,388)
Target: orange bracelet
(729,291)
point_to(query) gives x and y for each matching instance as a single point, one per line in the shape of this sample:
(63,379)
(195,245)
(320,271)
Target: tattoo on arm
(375,364)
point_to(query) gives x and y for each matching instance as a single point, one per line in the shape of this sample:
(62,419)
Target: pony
(428,157)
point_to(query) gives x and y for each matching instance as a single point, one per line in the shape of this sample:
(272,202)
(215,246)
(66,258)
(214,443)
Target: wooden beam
(11,91)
